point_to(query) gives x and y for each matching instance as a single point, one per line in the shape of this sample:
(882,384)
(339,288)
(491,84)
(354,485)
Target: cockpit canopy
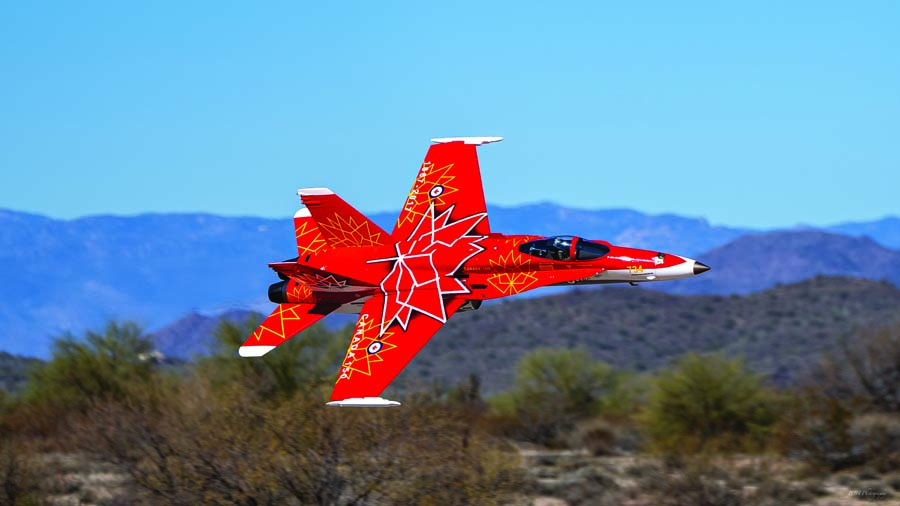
(564,247)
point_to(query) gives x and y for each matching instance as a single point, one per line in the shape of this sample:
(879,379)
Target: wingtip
(254,350)
(314,191)
(364,402)
(478,141)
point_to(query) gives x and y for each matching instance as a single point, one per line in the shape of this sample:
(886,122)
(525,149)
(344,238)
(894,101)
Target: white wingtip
(478,141)
(302,213)
(364,402)
(314,191)
(254,351)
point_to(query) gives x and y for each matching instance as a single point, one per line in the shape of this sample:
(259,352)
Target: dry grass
(574,477)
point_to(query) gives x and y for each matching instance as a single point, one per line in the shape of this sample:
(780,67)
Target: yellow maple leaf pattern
(510,283)
(418,201)
(348,232)
(366,348)
(309,238)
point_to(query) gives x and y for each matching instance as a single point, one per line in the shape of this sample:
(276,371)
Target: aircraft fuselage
(507,265)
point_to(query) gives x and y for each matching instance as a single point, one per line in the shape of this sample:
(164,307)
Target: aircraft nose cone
(700,268)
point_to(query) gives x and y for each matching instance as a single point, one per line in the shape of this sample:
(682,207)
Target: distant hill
(757,261)
(885,231)
(779,331)
(677,234)
(69,275)
(192,335)
(14,371)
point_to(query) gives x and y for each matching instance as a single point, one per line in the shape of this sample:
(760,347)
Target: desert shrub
(707,482)
(832,434)
(603,436)
(180,444)
(597,436)
(584,486)
(81,372)
(695,489)
(467,394)
(20,474)
(876,437)
(708,402)
(199,444)
(815,428)
(95,367)
(865,369)
(305,362)
(37,422)
(846,414)
(894,483)
(698,482)
(554,389)
(871,366)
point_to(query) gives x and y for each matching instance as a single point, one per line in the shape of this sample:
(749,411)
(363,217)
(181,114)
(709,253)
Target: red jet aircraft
(440,259)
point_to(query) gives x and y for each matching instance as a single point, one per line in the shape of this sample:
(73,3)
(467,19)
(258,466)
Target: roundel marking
(436,191)
(374,347)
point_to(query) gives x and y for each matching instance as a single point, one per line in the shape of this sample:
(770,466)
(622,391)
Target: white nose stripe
(681,270)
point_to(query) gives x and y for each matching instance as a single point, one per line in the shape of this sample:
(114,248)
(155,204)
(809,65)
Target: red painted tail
(309,238)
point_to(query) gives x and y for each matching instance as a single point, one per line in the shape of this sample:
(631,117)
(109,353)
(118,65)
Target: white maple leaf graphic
(424,264)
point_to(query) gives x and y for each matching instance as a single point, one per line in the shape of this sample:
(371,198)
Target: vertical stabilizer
(309,238)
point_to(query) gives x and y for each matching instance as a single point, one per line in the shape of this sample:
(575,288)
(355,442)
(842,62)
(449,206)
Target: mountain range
(756,261)
(779,332)
(68,275)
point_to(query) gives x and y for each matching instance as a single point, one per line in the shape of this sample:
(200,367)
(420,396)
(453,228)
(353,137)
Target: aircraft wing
(378,352)
(449,176)
(285,322)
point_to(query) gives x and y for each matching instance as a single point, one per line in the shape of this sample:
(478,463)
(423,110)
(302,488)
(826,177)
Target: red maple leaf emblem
(424,265)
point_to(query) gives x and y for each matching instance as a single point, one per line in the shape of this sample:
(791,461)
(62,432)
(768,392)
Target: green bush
(555,388)
(306,362)
(97,367)
(707,402)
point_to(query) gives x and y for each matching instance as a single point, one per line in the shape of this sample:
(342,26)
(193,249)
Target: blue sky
(766,114)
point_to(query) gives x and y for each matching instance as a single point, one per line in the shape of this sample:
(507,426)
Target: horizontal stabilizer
(365,402)
(318,279)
